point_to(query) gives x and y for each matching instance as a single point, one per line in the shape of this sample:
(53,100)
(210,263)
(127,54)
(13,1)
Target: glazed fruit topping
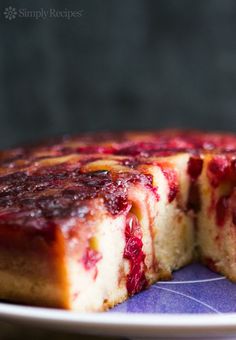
(219,169)
(123,143)
(62,191)
(94,149)
(133,252)
(137,149)
(195,167)
(145,149)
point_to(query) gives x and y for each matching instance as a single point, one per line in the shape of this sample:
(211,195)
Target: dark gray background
(122,65)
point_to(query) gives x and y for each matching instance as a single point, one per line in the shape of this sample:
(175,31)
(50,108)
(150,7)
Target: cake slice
(75,237)
(94,227)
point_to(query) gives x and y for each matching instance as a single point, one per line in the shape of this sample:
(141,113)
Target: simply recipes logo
(11,13)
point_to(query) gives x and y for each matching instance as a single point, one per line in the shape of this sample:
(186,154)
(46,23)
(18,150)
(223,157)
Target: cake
(88,221)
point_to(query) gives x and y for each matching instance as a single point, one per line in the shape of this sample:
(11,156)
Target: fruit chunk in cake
(87,221)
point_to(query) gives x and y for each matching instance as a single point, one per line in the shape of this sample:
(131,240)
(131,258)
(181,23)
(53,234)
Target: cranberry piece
(116,204)
(95,149)
(136,280)
(138,149)
(133,252)
(194,167)
(221,210)
(132,227)
(218,170)
(133,248)
(90,258)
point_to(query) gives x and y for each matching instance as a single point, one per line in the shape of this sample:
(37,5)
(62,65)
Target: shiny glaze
(32,194)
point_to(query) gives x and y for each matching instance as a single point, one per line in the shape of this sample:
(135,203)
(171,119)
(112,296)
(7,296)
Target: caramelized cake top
(54,189)
(145,144)
(57,179)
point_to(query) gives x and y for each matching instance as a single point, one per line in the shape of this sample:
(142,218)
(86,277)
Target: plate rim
(120,323)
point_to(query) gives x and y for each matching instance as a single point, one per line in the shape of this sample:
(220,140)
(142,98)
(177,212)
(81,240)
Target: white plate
(131,325)
(209,299)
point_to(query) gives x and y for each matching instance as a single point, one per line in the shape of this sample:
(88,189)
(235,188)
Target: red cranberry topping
(218,170)
(195,167)
(132,144)
(136,280)
(154,148)
(90,258)
(95,149)
(221,210)
(137,149)
(62,191)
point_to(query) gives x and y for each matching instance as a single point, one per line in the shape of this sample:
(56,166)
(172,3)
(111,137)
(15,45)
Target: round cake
(87,221)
